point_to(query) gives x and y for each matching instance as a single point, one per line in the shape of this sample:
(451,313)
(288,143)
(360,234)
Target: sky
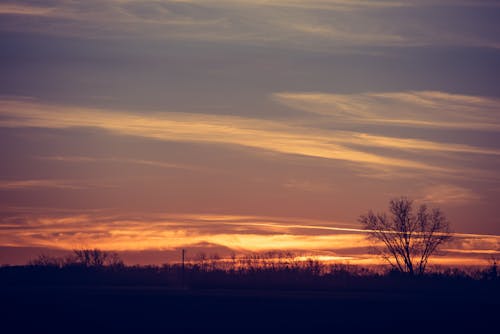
(221,126)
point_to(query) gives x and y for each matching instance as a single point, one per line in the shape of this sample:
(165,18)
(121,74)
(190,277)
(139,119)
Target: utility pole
(183,267)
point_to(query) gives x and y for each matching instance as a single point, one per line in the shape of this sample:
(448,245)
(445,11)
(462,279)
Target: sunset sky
(245,125)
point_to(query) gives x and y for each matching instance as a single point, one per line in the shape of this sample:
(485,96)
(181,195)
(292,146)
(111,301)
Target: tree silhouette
(408,238)
(96,258)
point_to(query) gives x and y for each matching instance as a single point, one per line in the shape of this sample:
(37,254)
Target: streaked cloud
(416,144)
(449,194)
(238,233)
(143,162)
(170,126)
(319,25)
(475,244)
(23,9)
(412,109)
(108,231)
(305,185)
(55,184)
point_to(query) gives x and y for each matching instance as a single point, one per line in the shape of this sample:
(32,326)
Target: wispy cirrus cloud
(238,233)
(318,25)
(439,113)
(413,109)
(449,194)
(306,185)
(143,162)
(118,232)
(255,133)
(23,9)
(409,144)
(48,183)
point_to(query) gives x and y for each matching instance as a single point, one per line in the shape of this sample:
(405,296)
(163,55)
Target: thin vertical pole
(183,259)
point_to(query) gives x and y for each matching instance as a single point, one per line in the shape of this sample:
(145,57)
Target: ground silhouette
(219,296)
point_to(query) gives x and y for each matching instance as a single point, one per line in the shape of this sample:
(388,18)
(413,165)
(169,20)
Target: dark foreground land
(96,309)
(82,298)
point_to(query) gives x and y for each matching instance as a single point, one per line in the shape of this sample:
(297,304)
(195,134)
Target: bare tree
(44,260)
(114,260)
(91,257)
(408,238)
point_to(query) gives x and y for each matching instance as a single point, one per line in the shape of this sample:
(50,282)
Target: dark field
(90,309)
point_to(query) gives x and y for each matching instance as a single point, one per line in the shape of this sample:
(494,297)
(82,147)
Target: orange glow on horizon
(241,234)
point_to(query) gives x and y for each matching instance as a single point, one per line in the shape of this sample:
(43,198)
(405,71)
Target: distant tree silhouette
(96,258)
(491,272)
(114,260)
(81,257)
(409,238)
(44,260)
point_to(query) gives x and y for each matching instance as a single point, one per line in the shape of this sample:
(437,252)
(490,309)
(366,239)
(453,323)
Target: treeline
(86,258)
(271,270)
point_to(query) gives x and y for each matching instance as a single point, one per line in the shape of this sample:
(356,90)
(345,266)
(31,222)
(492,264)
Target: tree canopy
(408,238)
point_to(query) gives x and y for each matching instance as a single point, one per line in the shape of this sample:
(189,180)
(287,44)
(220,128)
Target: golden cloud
(170,126)
(240,233)
(414,108)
